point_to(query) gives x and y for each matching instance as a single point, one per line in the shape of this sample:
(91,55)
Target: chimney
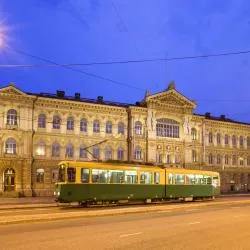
(60,93)
(223,117)
(99,99)
(207,115)
(77,96)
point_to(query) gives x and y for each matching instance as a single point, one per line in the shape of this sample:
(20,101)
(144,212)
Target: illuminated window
(131,177)
(84,175)
(40,175)
(138,128)
(56,122)
(12,117)
(40,150)
(83,125)
(121,128)
(241,162)
(10,146)
(108,127)
(145,178)
(96,126)
(42,121)
(70,123)
(194,134)
(194,156)
(167,128)
(179,179)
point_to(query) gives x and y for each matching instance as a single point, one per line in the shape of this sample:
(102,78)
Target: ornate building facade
(39,130)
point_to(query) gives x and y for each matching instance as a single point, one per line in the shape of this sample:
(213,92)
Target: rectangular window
(179,179)
(99,176)
(171,179)
(190,179)
(199,179)
(207,179)
(55,174)
(71,172)
(146,178)
(116,176)
(157,177)
(131,177)
(84,175)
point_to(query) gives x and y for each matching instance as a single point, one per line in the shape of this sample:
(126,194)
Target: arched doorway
(9,179)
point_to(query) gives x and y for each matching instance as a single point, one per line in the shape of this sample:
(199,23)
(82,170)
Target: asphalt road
(212,227)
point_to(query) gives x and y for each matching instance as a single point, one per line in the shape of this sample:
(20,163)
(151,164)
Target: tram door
(9,179)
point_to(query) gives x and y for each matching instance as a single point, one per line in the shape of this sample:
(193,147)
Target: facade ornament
(187,126)
(147,93)
(171,85)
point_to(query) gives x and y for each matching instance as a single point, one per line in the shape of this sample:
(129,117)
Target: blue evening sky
(85,31)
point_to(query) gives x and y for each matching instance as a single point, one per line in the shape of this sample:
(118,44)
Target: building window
(241,141)
(96,126)
(194,134)
(159,158)
(56,122)
(234,160)
(55,150)
(83,153)
(55,173)
(121,128)
(167,128)
(40,175)
(168,161)
(177,159)
(210,137)
(96,152)
(138,128)
(138,153)
(210,158)
(226,160)
(248,142)
(108,127)
(70,123)
(218,139)
(226,139)
(69,151)
(42,121)
(40,150)
(108,153)
(194,156)
(12,117)
(218,161)
(241,162)
(234,140)
(10,146)
(83,125)
(248,161)
(120,154)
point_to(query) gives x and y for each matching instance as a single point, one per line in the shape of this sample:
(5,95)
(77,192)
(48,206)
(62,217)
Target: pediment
(171,97)
(12,90)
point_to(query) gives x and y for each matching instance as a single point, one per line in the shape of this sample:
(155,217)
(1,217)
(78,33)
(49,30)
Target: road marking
(127,235)
(195,222)
(164,211)
(191,210)
(237,216)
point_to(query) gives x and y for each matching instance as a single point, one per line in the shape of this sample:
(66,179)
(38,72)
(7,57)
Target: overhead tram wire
(77,70)
(53,64)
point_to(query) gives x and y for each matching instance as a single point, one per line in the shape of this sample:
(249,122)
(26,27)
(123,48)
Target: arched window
(83,125)
(96,152)
(248,142)
(226,159)
(56,122)
(108,127)
(226,139)
(40,175)
(42,121)
(40,150)
(9,179)
(69,150)
(120,154)
(194,134)
(241,141)
(234,160)
(108,153)
(83,153)
(96,126)
(138,153)
(55,150)
(121,128)
(241,161)
(70,123)
(234,140)
(218,159)
(138,128)
(248,161)
(12,117)
(194,156)
(10,146)
(218,139)
(210,137)
(167,128)
(210,158)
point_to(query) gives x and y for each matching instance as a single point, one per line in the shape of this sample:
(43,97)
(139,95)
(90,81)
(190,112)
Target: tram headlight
(58,193)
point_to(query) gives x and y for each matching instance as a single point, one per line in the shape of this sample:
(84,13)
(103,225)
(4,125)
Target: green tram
(94,182)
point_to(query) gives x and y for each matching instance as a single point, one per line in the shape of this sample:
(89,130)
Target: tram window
(207,180)
(157,177)
(85,175)
(71,174)
(116,176)
(170,179)
(190,179)
(199,179)
(131,177)
(179,179)
(146,178)
(61,174)
(99,176)
(215,181)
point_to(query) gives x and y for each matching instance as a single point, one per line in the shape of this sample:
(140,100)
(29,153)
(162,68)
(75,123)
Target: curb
(109,212)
